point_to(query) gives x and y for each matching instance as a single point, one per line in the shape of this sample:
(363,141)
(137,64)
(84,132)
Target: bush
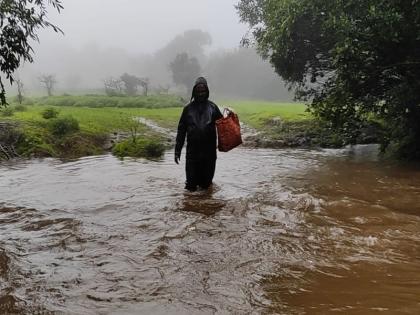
(49,113)
(33,145)
(64,126)
(7,112)
(28,101)
(64,101)
(150,148)
(154,149)
(20,108)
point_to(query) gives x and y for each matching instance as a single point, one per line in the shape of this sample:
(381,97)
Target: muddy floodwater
(280,232)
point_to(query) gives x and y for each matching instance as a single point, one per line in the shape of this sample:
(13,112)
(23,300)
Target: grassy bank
(99,120)
(108,119)
(98,128)
(101,128)
(259,114)
(291,125)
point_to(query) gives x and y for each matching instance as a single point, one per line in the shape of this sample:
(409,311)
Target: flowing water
(280,232)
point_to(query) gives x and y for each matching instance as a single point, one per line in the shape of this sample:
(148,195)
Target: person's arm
(180,136)
(217,113)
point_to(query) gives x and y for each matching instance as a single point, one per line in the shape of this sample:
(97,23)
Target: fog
(104,38)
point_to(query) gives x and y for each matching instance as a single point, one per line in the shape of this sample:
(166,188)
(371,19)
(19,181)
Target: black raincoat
(197,124)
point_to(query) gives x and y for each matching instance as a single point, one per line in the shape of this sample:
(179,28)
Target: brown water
(281,232)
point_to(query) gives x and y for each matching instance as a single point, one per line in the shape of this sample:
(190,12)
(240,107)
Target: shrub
(34,145)
(154,149)
(20,108)
(64,126)
(7,112)
(150,148)
(49,113)
(28,101)
(64,101)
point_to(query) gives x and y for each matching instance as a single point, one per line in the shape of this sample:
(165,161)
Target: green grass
(102,120)
(296,126)
(96,123)
(99,101)
(107,120)
(258,113)
(149,148)
(111,119)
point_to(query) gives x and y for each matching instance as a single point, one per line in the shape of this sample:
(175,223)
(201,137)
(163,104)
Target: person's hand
(177,158)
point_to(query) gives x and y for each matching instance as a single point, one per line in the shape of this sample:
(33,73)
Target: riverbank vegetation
(351,60)
(73,131)
(47,127)
(150,148)
(292,125)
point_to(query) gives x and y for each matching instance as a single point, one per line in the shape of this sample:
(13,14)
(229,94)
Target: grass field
(110,119)
(96,122)
(102,119)
(99,101)
(257,113)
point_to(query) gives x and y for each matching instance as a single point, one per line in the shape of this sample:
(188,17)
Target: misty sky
(106,38)
(143,25)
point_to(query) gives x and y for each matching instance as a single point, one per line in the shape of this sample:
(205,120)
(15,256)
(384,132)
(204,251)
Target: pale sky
(105,38)
(141,25)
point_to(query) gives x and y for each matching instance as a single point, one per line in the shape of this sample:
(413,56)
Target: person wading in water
(197,123)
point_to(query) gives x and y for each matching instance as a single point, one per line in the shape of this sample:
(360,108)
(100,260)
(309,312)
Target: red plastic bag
(228,131)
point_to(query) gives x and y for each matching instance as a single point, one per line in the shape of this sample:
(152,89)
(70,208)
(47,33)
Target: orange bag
(228,131)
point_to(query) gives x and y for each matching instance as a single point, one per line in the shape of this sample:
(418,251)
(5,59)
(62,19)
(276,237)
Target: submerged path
(281,232)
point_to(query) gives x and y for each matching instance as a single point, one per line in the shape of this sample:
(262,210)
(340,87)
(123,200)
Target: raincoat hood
(203,81)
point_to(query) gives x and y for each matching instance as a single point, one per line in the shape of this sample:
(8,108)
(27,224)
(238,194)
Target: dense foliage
(19,23)
(62,126)
(353,60)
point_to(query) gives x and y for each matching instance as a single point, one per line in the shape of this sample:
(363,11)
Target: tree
(113,87)
(163,89)
(49,81)
(19,84)
(144,83)
(19,22)
(191,42)
(132,83)
(352,60)
(184,69)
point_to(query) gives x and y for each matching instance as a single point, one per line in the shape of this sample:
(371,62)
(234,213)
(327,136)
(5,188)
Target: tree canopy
(191,42)
(19,22)
(185,69)
(352,60)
